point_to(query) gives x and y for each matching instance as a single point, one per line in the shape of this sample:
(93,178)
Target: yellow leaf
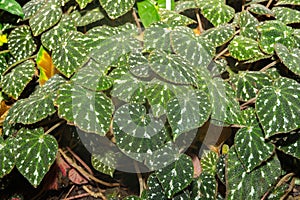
(45,66)
(3,39)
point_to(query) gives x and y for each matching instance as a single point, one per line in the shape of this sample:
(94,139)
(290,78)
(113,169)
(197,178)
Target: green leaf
(164,4)
(139,65)
(70,54)
(289,58)
(90,111)
(85,18)
(286,15)
(221,164)
(204,187)
(21,43)
(197,50)
(157,37)
(99,163)
(174,19)
(248,24)
(248,83)
(277,107)
(288,2)
(187,111)
(181,6)
(137,133)
(243,185)
(260,9)
(217,12)
(14,82)
(46,17)
(12,7)
(3,67)
(272,32)
(148,12)
(132,197)
(176,176)
(83,3)
(32,7)
(155,189)
(92,76)
(291,144)
(115,9)
(251,147)
(38,106)
(35,153)
(53,37)
(243,48)
(209,163)
(172,68)
(219,35)
(7,158)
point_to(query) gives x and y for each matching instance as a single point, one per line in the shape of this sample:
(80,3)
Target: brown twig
(80,160)
(269,65)
(83,172)
(140,178)
(244,105)
(78,196)
(269,3)
(221,53)
(137,21)
(200,27)
(54,127)
(94,194)
(73,186)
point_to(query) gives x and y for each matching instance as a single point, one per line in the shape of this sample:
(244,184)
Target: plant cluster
(143,79)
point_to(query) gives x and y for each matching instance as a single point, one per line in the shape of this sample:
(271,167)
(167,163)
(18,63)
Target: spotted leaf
(155,189)
(286,15)
(249,83)
(115,9)
(277,107)
(70,54)
(101,166)
(252,185)
(290,144)
(46,17)
(209,162)
(32,7)
(38,106)
(272,32)
(181,6)
(204,187)
(248,23)
(197,50)
(11,6)
(290,58)
(288,2)
(219,35)
(174,19)
(176,176)
(87,17)
(83,3)
(14,82)
(187,111)
(35,154)
(21,43)
(260,9)
(6,155)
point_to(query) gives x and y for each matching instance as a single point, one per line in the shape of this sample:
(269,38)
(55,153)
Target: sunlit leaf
(32,7)
(83,3)
(148,12)
(45,66)
(11,6)
(286,15)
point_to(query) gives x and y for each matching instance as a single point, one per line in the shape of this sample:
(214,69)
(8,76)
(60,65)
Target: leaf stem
(136,19)
(4,51)
(140,178)
(244,105)
(16,63)
(53,127)
(269,65)
(94,194)
(269,3)
(200,27)
(221,53)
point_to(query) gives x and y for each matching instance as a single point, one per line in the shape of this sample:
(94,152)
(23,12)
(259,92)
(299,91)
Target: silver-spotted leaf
(35,153)
(187,111)
(14,82)
(181,6)
(139,65)
(286,15)
(251,147)
(219,35)
(38,106)
(46,17)
(172,67)
(274,31)
(248,23)
(176,176)
(83,3)
(209,162)
(12,7)
(132,197)
(115,9)
(174,19)
(278,107)
(32,7)
(7,158)
(290,58)
(221,164)
(249,83)
(70,54)
(155,189)
(90,111)
(21,43)
(252,186)
(243,48)
(204,187)
(291,144)
(260,9)
(197,50)
(101,166)
(157,37)
(87,17)
(288,2)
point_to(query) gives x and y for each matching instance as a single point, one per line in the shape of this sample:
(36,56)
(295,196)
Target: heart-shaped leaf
(21,43)
(290,58)
(176,176)
(115,9)
(252,185)
(46,17)
(6,155)
(248,23)
(70,54)
(219,35)
(188,111)
(25,110)
(243,48)
(272,32)
(35,154)
(32,7)
(260,9)
(16,80)
(277,107)
(12,6)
